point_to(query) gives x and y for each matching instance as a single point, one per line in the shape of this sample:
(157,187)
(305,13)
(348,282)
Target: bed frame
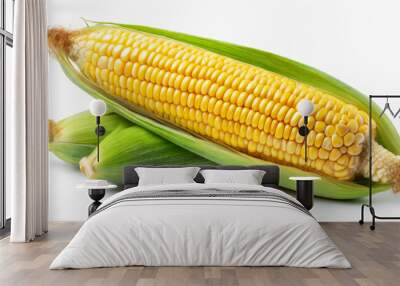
(271,177)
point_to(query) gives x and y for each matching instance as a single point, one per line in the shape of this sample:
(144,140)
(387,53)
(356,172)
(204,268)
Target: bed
(198,224)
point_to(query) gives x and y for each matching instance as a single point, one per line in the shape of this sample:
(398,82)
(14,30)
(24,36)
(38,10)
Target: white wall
(356,41)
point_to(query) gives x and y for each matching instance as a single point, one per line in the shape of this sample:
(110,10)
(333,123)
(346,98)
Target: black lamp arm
(303,131)
(100,131)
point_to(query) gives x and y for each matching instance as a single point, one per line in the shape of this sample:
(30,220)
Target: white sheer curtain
(26,119)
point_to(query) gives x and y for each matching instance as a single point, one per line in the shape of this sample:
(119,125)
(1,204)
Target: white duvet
(200,231)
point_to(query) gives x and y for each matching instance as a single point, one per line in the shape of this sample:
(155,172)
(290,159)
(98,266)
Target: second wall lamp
(305,107)
(98,108)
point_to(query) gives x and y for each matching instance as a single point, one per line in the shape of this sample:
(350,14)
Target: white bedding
(200,231)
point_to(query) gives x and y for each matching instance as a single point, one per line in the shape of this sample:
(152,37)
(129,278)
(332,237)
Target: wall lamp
(305,107)
(98,108)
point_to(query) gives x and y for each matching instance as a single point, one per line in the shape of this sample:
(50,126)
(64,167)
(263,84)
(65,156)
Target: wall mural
(180,99)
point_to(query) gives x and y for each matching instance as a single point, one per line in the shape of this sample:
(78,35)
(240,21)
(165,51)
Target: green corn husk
(134,146)
(327,187)
(69,152)
(72,138)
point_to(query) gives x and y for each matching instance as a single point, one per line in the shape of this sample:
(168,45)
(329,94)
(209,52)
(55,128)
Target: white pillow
(166,176)
(247,177)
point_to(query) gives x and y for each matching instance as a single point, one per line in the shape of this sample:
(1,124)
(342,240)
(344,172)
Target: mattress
(201,225)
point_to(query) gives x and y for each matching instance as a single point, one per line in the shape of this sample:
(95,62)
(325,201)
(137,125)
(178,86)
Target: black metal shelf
(370,203)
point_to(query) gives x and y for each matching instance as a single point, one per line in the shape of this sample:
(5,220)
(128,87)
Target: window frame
(6,39)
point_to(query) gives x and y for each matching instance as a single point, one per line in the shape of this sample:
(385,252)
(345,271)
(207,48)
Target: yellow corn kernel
(319,126)
(337,141)
(349,139)
(329,130)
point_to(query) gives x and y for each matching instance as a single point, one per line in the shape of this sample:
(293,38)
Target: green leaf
(70,152)
(74,137)
(135,146)
(80,128)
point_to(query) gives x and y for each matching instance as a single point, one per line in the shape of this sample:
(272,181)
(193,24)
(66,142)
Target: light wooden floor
(375,257)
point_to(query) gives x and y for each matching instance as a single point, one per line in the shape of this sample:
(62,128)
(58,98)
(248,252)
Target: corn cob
(72,138)
(134,146)
(242,106)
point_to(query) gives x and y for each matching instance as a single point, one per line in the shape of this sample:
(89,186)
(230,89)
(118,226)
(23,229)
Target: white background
(356,41)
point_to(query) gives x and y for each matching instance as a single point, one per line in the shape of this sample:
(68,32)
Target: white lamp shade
(97,107)
(305,107)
